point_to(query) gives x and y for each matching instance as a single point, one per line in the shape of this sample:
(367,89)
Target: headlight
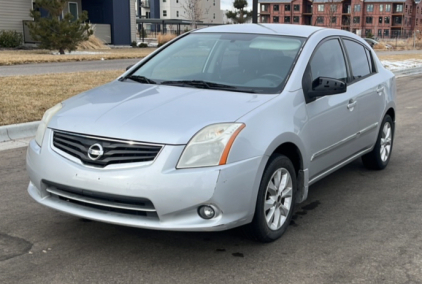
(44,122)
(210,146)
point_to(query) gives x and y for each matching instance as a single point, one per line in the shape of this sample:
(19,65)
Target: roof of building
(283,29)
(275,1)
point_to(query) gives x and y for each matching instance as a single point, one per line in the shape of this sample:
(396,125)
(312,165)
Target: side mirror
(323,86)
(130,66)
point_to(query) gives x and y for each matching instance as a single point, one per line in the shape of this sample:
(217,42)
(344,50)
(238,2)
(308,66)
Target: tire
(379,157)
(275,203)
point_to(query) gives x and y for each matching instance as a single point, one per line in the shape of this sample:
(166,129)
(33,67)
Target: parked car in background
(373,42)
(222,127)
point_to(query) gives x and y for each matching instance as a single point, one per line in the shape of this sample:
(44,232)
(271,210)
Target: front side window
(232,62)
(358,59)
(328,61)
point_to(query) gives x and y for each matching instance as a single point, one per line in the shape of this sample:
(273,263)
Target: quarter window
(358,59)
(328,61)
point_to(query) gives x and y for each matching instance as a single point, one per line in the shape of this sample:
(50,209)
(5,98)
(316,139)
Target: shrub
(162,39)
(143,45)
(10,39)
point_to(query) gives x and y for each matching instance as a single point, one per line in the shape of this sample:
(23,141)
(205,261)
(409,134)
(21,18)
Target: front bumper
(174,193)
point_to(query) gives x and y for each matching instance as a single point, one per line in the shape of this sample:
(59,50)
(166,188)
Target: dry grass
(162,39)
(402,44)
(13,57)
(400,57)
(92,43)
(23,100)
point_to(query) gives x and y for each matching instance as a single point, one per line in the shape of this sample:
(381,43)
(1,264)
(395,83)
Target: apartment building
(177,9)
(381,18)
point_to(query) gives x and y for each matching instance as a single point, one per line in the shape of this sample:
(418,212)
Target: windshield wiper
(140,79)
(206,85)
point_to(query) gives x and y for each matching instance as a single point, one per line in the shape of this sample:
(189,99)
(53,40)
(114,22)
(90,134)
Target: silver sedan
(223,127)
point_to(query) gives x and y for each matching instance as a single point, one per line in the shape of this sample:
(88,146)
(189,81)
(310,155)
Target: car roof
(270,29)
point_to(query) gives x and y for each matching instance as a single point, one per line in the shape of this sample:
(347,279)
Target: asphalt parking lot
(357,226)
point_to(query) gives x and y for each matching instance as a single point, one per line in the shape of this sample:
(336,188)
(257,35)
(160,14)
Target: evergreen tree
(239,16)
(55,32)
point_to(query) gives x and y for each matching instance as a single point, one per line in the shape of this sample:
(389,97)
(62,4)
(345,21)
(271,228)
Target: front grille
(102,201)
(114,151)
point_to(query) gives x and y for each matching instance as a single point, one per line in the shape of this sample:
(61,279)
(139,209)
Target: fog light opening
(206,212)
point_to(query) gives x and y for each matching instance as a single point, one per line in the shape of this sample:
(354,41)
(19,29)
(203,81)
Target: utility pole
(255,11)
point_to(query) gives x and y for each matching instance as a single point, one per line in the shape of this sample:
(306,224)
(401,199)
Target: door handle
(380,90)
(351,105)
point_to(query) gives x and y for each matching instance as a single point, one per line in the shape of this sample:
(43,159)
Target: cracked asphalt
(357,226)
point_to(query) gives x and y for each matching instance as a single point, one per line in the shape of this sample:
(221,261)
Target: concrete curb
(29,129)
(407,72)
(18,131)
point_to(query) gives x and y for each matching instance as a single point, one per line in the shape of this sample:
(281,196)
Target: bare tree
(194,11)
(331,9)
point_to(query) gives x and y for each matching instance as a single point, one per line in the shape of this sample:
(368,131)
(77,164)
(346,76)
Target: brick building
(382,18)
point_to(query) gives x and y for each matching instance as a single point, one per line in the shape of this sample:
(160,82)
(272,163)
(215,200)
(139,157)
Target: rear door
(369,87)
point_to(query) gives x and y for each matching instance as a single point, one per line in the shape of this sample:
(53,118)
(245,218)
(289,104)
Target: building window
(333,8)
(286,7)
(368,32)
(73,9)
(386,20)
(275,19)
(320,8)
(381,9)
(333,20)
(214,3)
(399,8)
(164,1)
(357,8)
(164,13)
(276,8)
(356,20)
(287,19)
(379,32)
(177,13)
(320,20)
(369,20)
(296,7)
(264,8)
(369,8)
(296,19)
(388,7)
(213,16)
(386,32)
(397,20)
(380,20)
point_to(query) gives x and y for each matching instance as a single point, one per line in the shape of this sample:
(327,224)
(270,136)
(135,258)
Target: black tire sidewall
(260,226)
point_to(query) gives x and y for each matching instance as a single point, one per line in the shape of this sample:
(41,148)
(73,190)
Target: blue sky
(228,4)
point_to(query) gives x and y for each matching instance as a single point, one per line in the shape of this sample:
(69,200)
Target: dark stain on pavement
(11,247)
(311,206)
(238,254)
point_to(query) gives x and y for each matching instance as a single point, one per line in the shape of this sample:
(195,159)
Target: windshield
(234,62)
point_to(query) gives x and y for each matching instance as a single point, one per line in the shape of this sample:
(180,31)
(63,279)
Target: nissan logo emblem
(95,152)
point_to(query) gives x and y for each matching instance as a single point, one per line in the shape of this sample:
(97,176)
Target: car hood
(151,113)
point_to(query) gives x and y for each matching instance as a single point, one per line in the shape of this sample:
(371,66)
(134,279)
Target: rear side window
(361,66)
(328,61)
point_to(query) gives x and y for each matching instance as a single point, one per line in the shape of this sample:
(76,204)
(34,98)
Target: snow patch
(402,65)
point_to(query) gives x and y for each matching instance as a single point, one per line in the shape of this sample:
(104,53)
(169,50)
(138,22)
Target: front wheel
(275,202)
(380,156)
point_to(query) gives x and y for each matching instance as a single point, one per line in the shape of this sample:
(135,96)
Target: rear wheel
(275,202)
(380,156)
